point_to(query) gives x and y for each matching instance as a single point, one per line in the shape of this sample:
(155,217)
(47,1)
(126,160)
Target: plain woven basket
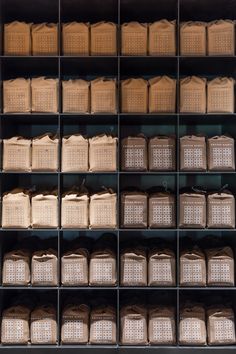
(103,96)
(75,210)
(45,39)
(221,37)
(162,38)
(161,326)
(221,153)
(192,326)
(103,38)
(134,38)
(220,95)
(75,96)
(193,153)
(192,268)
(103,153)
(161,267)
(103,326)
(74,268)
(17,154)
(103,210)
(133,267)
(44,211)
(75,38)
(16,268)
(44,95)
(133,325)
(162,153)
(45,153)
(15,325)
(16,96)
(134,153)
(102,268)
(75,151)
(193,38)
(44,268)
(17,39)
(75,323)
(220,267)
(162,94)
(134,96)
(193,95)
(43,325)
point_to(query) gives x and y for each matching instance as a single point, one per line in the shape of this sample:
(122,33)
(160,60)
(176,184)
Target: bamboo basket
(16,96)
(17,39)
(45,39)
(75,38)
(17,154)
(103,38)
(75,153)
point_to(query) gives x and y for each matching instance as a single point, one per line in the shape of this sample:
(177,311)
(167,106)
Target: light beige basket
(103,95)
(102,153)
(74,268)
(134,210)
(16,209)
(134,153)
(43,325)
(103,210)
(221,37)
(45,39)
(17,39)
(44,268)
(192,268)
(103,38)
(15,325)
(16,268)
(103,326)
(44,95)
(45,153)
(75,153)
(221,325)
(75,322)
(193,38)
(220,95)
(102,268)
(192,326)
(161,210)
(161,326)
(16,96)
(134,96)
(193,153)
(162,153)
(162,94)
(75,94)
(133,325)
(161,267)
(75,38)
(192,210)
(162,38)
(221,153)
(75,210)
(221,210)
(17,154)
(193,95)
(134,38)
(133,267)
(44,210)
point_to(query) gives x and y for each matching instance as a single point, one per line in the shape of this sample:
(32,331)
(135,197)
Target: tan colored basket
(15,325)
(103,96)
(103,38)
(221,37)
(102,268)
(75,210)
(221,153)
(221,210)
(134,96)
(44,95)
(162,153)
(74,268)
(17,39)
(45,39)
(162,94)
(161,210)
(75,94)
(162,38)
(44,210)
(134,210)
(75,38)
(220,95)
(16,96)
(17,154)
(75,153)
(134,153)
(16,268)
(133,325)
(193,153)
(102,153)
(193,95)
(16,209)
(192,210)
(45,153)
(134,38)
(192,326)
(161,326)
(220,267)
(43,326)
(103,210)
(192,268)
(44,268)
(161,267)
(133,267)
(75,322)
(193,38)
(103,326)
(221,326)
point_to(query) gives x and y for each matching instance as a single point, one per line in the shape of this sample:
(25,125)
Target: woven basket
(102,153)
(220,267)
(15,325)
(16,209)
(75,211)
(103,326)
(44,268)
(44,95)
(133,325)
(220,95)
(193,95)
(102,268)
(162,94)
(103,96)
(161,211)
(75,322)
(221,326)
(44,210)
(45,153)
(134,210)
(192,268)
(75,153)
(75,95)
(221,210)
(193,153)
(134,96)
(192,210)
(162,38)
(17,39)
(134,38)
(134,154)
(45,39)
(103,210)
(192,326)
(74,268)
(16,96)
(162,153)
(193,38)
(16,268)
(75,38)
(103,38)
(221,37)
(43,326)
(161,326)
(133,267)
(161,267)
(17,154)
(221,153)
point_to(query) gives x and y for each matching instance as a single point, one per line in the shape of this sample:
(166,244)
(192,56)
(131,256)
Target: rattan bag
(103,38)
(133,267)
(75,96)
(193,95)
(162,153)
(162,38)
(192,268)
(43,325)
(102,153)
(102,268)
(134,38)
(75,322)
(75,153)
(221,153)
(193,38)
(44,268)
(44,95)
(192,210)
(162,94)
(221,210)
(103,95)
(44,210)
(193,153)
(16,209)
(134,96)
(161,326)
(134,153)
(75,38)
(221,325)
(103,325)
(103,210)
(192,326)
(134,210)
(45,39)
(16,268)
(221,37)
(16,154)
(16,96)
(17,39)
(161,267)
(74,268)
(15,325)
(220,95)
(75,210)
(161,210)
(133,325)
(45,153)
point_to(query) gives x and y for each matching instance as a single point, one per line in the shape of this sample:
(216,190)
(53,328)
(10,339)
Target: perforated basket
(193,153)
(134,154)
(75,322)
(103,326)
(133,267)
(75,94)
(75,211)
(161,267)
(45,39)
(44,211)
(134,210)
(16,96)
(16,268)
(162,211)
(162,153)
(75,153)
(192,326)
(161,38)
(221,210)
(17,39)
(221,37)
(134,96)
(193,38)
(192,268)
(75,38)
(161,326)
(162,94)
(15,325)
(103,96)
(192,210)
(220,267)
(44,268)
(102,268)
(220,95)
(45,153)
(134,38)
(45,95)
(103,211)
(103,38)
(193,95)
(133,325)
(16,154)
(102,153)
(43,327)
(221,153)
(74,268)
(221,326)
